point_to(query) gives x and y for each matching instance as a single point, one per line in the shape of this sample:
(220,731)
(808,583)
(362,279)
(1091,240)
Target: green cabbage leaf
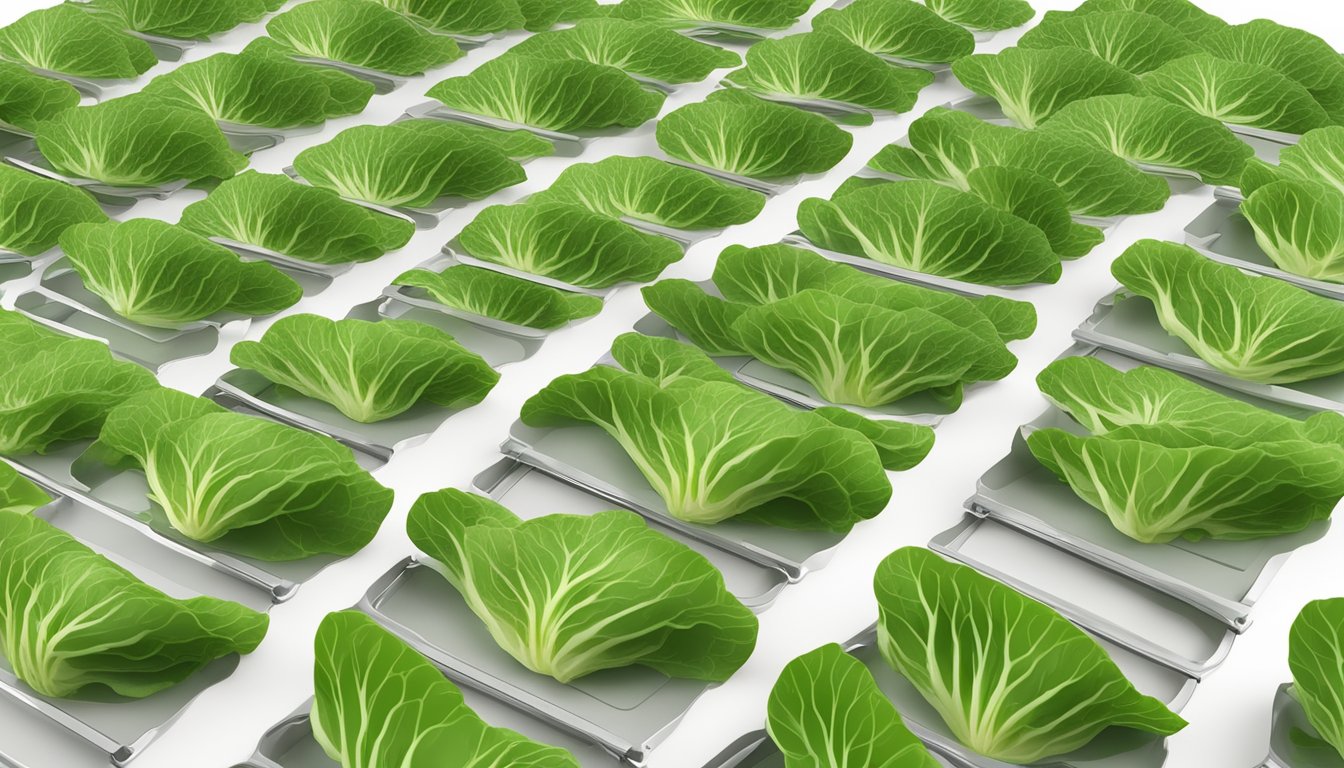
(502,297)
(361,33)
(18,494)
(1031,84)
(762,14)
(1184,15)
(991,15)
(1133,41)
(74,42)
(1300,226)
(1237,92)
(27,99)
(36,211)
(197,20)
(640,49)
(1315,648)
(900,29)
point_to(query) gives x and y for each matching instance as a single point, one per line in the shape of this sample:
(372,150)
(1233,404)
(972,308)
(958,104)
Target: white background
(1229,715)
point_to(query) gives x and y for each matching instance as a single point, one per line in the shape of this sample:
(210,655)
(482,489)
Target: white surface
(1229,715)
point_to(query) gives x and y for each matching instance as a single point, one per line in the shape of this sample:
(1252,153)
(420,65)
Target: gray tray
(627,711)
(14,266)
(113,199)
(1127,323)
(585,456)
(41,732)
(1114,748)
(532,493)
(1293,741)
(1220,578)
(793,389)
(1125,612)
(60,301)
(122,494)
(428,217)
(1224,235)
(290,743)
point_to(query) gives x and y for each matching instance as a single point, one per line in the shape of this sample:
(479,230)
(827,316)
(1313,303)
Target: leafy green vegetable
(714,450)
(665,361)
(461,17)
(930,228)
(73,42)
(1240,93)
(763,14)
(1317,157)
(1212,308)
(137,141)
(567,243)
(1314,651)
(370,371)
(1012,679)
(738,133)
(1184,15)
(1133,41)
(983,14)
(196,20)
(409,166)
(1031,84)
(1153,131)
(1170,459)
(947,146)
(156,274)
(852,352)
(262,88)
(640,49)
(540,15)
(902,29)
(361,33)
(38,210)
(18,494)
(648,189)
(566,95)
(274,212)
(826,710)
(496,295)
(58,389)
(246,484)
(1300,226)
(822,65)
(1037,201)
(569,595)
(27,99)
(1295,53)
(73,622)
(519,145)
(378,702)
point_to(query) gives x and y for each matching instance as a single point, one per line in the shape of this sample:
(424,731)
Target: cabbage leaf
(569,595)
(71,41)
(762,14)
(1314,651)
(826,710)
(1169,459)
(73,623)
(658,192)
(1184,15)
(1236,92)
(1011,678)
(990,15)
(1300,226)
(1133,41)
(157,274)
(926,227)
(36,211)
(1295,53)
(715,450)
(58,389)
(461,17)
(18,494)
(262,88)
(378,702)
(197,20)
(502,297)
(641,49)
(1317,157)
(821,65)
(567,95)
(246,484)
(361,33)
(370,371)
(1153,131)
(1031,84)
(736,132)
(1297,335)
(306,223)
(900,29)
(27,99)
(567,243)
(137,141)
(408,164)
